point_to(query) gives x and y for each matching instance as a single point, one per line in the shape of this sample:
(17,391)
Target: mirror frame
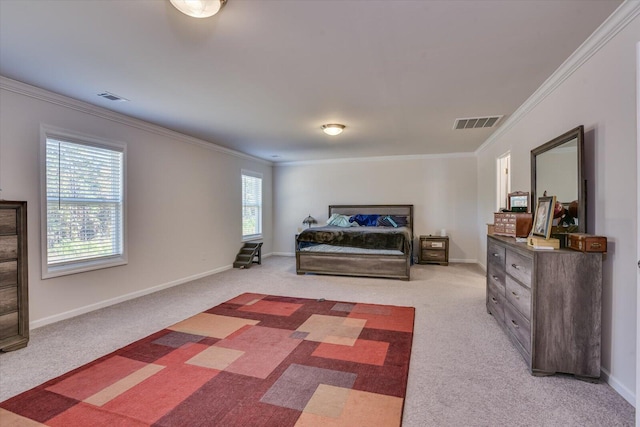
(577,133)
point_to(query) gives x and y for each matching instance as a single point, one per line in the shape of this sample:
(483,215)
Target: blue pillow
(366,220)
(392,221)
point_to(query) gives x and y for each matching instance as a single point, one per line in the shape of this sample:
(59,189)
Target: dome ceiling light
(333,129)
(199,8)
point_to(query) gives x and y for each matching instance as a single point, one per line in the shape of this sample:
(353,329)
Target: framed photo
(518,201)
(543,217)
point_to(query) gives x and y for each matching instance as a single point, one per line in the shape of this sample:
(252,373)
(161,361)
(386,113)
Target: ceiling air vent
(476,122)
(112,97)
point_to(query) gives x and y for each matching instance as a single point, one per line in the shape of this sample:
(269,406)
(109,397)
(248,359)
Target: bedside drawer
(430,255)
(433,244)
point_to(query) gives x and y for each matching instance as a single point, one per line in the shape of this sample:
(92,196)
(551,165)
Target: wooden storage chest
(512,224)
(587,242)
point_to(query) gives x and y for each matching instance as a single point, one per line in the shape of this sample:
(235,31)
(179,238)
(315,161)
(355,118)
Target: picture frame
(543,217)
(518,201)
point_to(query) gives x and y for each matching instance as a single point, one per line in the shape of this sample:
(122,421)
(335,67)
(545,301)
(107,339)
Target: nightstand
(434,250)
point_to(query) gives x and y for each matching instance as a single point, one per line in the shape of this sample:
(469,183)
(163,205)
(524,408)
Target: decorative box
(513,224)
(587,242)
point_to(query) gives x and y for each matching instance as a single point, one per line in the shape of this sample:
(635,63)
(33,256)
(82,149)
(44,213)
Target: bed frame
(369,265)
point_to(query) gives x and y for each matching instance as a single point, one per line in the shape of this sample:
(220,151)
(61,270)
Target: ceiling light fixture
(333,129)
(199,8)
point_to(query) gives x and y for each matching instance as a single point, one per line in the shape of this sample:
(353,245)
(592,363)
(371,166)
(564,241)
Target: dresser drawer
(8,273)
(495,303)
(8,224)
(8,300)
(8,247)
(519,267)
(9,325)
(518,326)
(519,296)
(496,254)
(495,275)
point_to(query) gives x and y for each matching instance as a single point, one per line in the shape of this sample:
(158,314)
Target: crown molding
(104,113)
(618,20)
(376,159)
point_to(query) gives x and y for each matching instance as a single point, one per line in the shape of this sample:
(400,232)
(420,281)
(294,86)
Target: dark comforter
(398,239)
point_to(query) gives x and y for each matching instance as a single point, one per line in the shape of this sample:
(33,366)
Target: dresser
(434,250)
(548,302)
(14,302)
(514,224)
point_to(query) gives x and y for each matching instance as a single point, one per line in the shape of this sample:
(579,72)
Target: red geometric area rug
(256,360)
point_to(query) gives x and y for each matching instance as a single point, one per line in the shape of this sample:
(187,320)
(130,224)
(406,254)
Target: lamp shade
(199,8)
(333,129)
(309,220)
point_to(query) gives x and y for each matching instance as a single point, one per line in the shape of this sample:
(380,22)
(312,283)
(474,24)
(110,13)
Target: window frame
(249,173)
(78,266)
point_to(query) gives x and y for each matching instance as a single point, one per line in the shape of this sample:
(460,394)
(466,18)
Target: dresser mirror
(557,169)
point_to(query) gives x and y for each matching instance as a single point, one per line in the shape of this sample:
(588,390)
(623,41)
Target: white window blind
(84,202)
(251,205)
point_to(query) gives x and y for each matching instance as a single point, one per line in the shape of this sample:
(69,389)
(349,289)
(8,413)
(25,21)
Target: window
(503,181)
(251,205)
(83,206)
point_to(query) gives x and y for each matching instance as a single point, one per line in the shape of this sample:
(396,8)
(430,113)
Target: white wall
(183,208)
(441,188)
(599,95)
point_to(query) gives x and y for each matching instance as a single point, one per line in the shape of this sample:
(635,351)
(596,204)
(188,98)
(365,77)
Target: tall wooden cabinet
(14,301)
(549,304)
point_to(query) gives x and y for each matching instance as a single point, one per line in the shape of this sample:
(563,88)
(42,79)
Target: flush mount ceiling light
(333,129)
(199,8)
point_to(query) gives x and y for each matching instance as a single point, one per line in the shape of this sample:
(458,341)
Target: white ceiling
(262,76)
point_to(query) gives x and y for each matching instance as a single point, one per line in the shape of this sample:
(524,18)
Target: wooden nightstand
(434,250)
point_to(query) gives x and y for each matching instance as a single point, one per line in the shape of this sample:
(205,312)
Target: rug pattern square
(255,360)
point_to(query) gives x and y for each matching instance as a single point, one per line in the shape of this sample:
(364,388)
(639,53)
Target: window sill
(49,272)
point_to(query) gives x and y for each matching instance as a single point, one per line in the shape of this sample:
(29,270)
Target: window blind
(84,192)
(251,204)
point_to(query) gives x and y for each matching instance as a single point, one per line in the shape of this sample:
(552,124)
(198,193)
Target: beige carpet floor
(464,371)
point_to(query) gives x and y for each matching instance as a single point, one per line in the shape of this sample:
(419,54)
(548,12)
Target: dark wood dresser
(14,301)
(434,250)
(549,304)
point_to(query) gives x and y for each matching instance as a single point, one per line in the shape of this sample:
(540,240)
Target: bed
(372,251)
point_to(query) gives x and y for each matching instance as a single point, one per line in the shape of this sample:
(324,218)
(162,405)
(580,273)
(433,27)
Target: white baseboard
(623,391)
(106,303)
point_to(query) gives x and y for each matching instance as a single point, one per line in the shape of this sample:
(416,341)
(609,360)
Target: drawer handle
(515,325)
(517,267)
(495,301)
(495,277)
(595,245)
(515,295)
(495,254)
(433,255)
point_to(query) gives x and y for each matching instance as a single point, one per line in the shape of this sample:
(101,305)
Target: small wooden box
(541,242)
(587,242)
(512,224)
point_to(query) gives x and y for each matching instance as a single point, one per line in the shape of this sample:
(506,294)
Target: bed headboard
(400,210)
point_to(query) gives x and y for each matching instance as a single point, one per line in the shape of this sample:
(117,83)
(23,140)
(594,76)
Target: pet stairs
(248,253)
